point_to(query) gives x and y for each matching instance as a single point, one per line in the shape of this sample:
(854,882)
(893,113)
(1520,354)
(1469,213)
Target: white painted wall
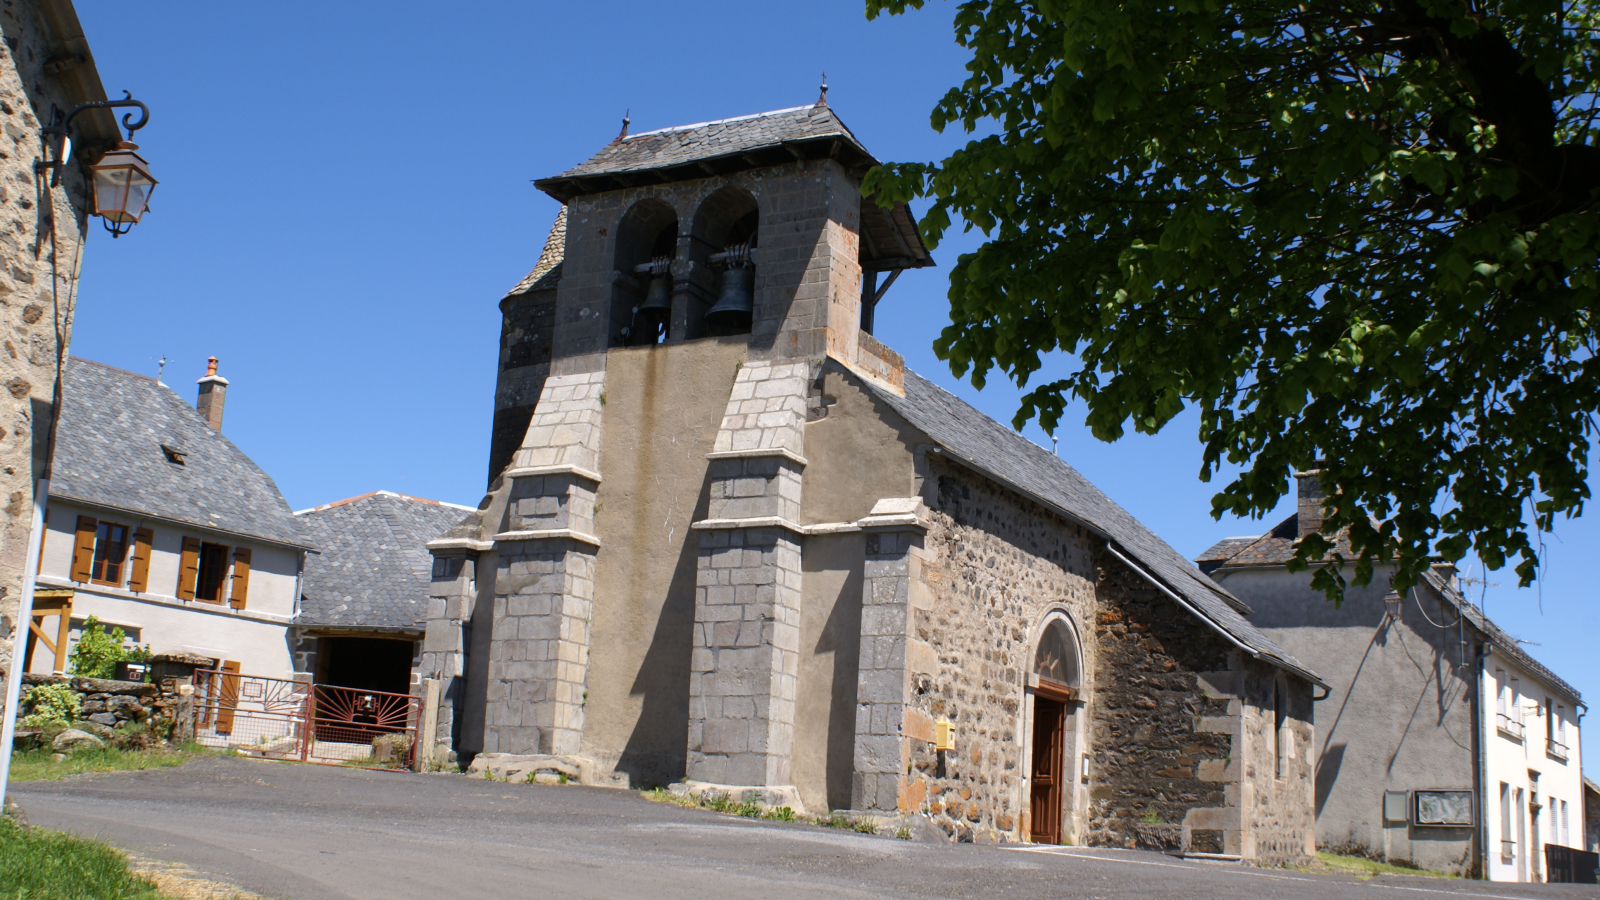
(1526,764)
(256,636)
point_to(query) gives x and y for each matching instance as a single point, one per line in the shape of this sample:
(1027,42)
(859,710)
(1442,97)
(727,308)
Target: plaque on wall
(1448,809)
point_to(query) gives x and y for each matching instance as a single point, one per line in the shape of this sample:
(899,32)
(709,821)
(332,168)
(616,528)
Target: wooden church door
(1049,736)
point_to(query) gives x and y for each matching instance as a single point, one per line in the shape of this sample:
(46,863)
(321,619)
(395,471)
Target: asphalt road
(316,833)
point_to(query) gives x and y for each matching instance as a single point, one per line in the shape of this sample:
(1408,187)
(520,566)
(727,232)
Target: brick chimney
(1309,496)
(213,391)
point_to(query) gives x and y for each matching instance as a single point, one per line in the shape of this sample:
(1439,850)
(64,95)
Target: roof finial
(625,121)
(823,100)
(211,365)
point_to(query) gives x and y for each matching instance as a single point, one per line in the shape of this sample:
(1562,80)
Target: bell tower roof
(712,148)
(726,146)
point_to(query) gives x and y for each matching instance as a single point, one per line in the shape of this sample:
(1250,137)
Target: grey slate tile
(989,446)
(373,567)
(109,453)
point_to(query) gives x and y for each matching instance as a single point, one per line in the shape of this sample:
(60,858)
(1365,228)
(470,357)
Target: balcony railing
(1555,749)
(1510,727)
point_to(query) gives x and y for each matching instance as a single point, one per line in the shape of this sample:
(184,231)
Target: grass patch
(38,864)
(41,765)
(1364,869)
(716,801)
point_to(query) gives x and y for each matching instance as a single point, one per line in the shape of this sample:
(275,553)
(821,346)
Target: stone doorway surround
(1053,697)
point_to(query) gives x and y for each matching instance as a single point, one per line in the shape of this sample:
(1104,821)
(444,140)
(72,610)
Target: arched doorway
(1056,676)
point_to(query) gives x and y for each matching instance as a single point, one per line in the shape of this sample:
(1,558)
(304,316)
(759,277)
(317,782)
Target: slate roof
(372,568)
(1274,548)
(109,454)
(706,141)
(1220,552)
(988,446)
(547,273)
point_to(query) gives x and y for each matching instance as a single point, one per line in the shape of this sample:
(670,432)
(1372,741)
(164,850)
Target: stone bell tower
(657,370)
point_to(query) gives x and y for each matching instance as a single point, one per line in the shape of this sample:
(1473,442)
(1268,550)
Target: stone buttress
(745,660)
(544,585)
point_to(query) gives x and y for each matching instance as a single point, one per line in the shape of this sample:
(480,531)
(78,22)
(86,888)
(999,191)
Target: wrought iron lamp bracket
(57,131)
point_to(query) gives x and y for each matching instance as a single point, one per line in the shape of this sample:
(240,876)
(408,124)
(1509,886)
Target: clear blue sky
(345,195)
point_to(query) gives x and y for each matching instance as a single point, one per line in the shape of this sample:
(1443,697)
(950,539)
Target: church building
(730,541)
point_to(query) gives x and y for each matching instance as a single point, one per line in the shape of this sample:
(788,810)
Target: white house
(1532,769)
(157,523)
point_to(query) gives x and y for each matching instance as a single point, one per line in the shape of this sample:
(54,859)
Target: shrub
(96,653)
(52,705)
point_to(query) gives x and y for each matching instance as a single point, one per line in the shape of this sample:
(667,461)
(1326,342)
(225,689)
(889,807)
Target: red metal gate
(279,718)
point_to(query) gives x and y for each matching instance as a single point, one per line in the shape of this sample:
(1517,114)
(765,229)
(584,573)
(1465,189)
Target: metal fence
(279,718)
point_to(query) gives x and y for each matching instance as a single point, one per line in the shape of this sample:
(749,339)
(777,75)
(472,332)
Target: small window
(213,572)
(110,550)
(1501,695)
(173,454)
(1280,720)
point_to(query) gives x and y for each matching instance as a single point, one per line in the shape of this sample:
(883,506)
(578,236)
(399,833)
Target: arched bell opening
(726,230)
(641,296)
(1054,764)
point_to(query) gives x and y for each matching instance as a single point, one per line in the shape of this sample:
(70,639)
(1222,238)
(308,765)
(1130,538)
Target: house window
(213,572)
(1508,847)
(110,549)
(1566,826)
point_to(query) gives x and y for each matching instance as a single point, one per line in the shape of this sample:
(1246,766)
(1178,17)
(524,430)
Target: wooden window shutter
(188,568)
(241,578)
(83,548)
(229,699)
(139,577)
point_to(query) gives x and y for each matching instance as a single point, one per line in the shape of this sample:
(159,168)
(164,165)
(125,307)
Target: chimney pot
(213,391)
(1309,495)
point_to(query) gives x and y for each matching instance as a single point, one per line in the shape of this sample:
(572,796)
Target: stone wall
(994,564)
(1162,729)
(1277,795)
(106,704)
(38,274)
(527,334)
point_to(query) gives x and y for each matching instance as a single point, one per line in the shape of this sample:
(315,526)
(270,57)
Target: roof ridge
(102,365)
(744,118)
(382,493)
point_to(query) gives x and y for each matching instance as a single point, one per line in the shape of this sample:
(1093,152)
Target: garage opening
(366,664)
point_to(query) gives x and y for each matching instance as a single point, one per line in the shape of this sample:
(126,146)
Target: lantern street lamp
(122,186)
(121,180)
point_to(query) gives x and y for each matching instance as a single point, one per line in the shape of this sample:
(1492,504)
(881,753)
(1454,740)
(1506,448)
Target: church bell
(735,306)
(658,296)
(650,318)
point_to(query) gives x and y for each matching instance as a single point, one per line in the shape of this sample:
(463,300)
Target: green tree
(97,653)
(1353,230)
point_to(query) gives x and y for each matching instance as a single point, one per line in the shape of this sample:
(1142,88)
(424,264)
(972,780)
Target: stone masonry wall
(38,281)
(1162,735)
(1277,804)
(995,565)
